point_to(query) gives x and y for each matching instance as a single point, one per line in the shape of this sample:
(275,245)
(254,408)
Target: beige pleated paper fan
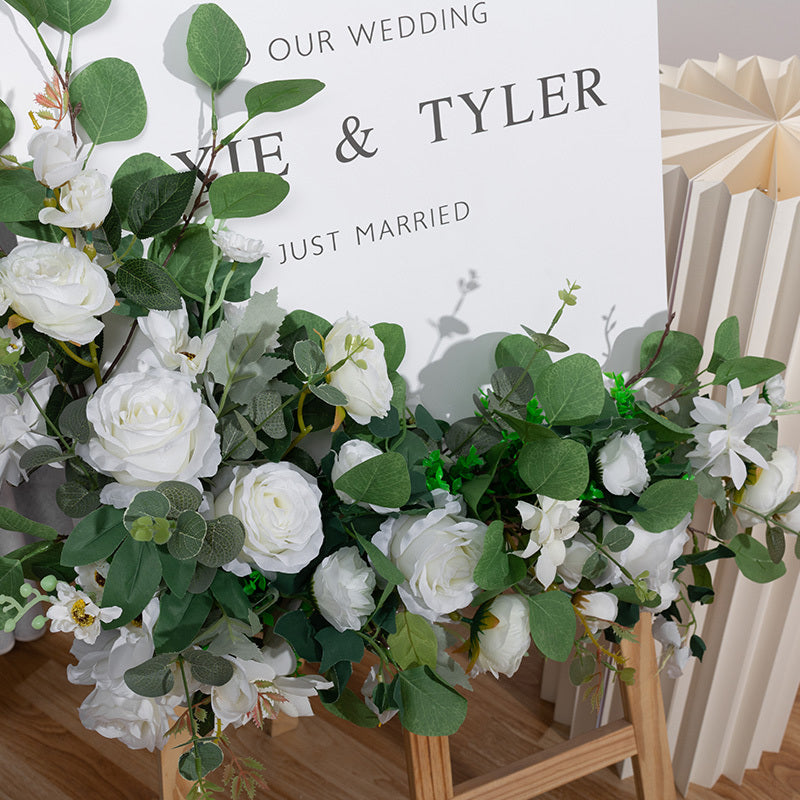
(734,121)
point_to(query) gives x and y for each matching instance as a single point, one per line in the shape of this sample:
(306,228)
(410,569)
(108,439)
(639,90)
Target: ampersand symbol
(350,127)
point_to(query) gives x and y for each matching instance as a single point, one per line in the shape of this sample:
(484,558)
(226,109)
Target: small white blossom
(599,609)
(775,391)
(92,578)
(551,523)
(722,430)
(75,612)
(674,654)
(55,156)
(503,645)
(15,344)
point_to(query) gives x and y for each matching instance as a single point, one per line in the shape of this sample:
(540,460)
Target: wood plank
(555,766)
(430,776)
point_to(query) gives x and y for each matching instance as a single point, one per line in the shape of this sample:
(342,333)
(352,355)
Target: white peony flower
(437,554)
(364,378)
(722,431)
(21,428)
(173,348)
(775,391)
(58,288)
(551,524)
(114,711)
(149,427)
(342,587)
(55,156)
(261,689)
(655,553)
(621,461)
(772,486)
(351,454)
(278,504)
(84,202)
(599,609)
(236,247)
(368,693)
(675,654)
(503,646)
(75,612)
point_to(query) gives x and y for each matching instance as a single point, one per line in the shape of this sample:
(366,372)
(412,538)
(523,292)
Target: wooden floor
(45,753)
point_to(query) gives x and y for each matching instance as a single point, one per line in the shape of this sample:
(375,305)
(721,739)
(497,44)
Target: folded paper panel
(699,150)
(749,166)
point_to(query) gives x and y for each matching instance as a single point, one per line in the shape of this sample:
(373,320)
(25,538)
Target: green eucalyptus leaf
(427,705)
(753,559)
(414,642)
(209,755)
(145,504)
(381,480)
(678,360)
(215,46)
(394,343)
(726,343)
(133,173)
(308,356)
(748,370)
(208,668)
(75,500)
(558,468)
(552,623)
(246,194)
(517,350)
(153,678)
(11,520)
(190,260)
(223,542)
(280,95)
(351,707)
(39,456)
(329,394)
(618,539)
(339,646)
(113,105)
(571,390)
(35,11)
(181,496)
(663,504)
(72,15)
(188,537)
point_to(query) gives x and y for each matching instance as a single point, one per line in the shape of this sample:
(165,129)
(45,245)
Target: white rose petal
(368,391)
(59,288)
(85,202)
(149,427)
(772,486)
(368,692)
(55,156)
(675,654)
(278,504)
(342,586)
(621,461)
(437,553)
(503,646)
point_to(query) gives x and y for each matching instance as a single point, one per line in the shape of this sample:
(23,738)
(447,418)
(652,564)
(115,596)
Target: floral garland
(213,554)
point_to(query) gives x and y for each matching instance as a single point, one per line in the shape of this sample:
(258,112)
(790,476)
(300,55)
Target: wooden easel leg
(173,785)
(281,724)
(644,709)
(430,776)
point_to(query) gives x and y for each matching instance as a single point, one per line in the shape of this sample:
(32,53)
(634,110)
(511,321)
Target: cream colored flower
(75,612)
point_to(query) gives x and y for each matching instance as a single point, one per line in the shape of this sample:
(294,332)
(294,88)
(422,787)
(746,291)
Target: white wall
(738,28)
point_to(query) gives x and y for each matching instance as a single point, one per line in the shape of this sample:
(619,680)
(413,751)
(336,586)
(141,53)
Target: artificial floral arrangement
(218,573)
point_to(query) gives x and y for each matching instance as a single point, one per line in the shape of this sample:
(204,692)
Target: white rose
(236,247)
(342,586)
(21,428)
(173,348)
(503,646)
(437,554)
(674,654)
(364,378)
(599,609)
(85,202)
(58,288)
(655,554)
(351,454)
(278,504)
(772,486)
(551,524)
(791,519)
(149,427)
(621,460)
(55,156)
(114,711)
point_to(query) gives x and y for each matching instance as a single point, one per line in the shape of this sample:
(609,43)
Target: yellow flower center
(79,615)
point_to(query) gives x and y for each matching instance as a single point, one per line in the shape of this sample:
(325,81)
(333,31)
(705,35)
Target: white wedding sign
(461,164)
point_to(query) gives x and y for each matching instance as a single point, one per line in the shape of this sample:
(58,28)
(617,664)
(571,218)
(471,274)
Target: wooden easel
(641,734)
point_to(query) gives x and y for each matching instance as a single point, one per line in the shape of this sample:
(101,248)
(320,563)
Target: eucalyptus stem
(198,765)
